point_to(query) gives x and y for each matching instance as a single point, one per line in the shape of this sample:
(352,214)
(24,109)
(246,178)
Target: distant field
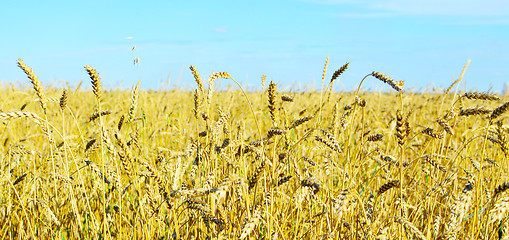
(261,165)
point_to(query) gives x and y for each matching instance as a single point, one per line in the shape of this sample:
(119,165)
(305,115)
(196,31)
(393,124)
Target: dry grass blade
(452,85)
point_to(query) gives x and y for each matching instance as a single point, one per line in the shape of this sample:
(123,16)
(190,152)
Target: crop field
(86,163)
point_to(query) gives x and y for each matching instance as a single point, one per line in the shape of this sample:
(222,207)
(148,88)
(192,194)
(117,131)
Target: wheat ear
(96,81)
(197,78)
(35,82)
(43,124)
(251,224)
(134,102)
(500,210)
(500,188)
(396,85)
(411,228)
(481,96)
(338,72)
(63,99)
(271,91)
(387,186)
(474,111)
(498,111)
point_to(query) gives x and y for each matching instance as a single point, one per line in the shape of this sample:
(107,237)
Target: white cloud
(430,7)
(220,30)
(367,15)
(482,22)
(448,7)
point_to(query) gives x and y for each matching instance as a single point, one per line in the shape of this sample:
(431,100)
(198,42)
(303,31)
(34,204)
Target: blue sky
(421,42)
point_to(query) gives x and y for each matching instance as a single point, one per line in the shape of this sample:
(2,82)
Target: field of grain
(208,164)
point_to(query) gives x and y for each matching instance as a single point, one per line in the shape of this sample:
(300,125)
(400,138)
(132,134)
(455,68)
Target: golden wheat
(160,164)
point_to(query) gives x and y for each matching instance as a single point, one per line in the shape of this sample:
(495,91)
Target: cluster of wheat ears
(263,165)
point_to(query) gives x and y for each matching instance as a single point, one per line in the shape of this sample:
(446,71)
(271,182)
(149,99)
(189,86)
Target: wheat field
(206,164)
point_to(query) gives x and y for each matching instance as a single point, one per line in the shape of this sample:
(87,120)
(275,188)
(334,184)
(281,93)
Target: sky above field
(424,43)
